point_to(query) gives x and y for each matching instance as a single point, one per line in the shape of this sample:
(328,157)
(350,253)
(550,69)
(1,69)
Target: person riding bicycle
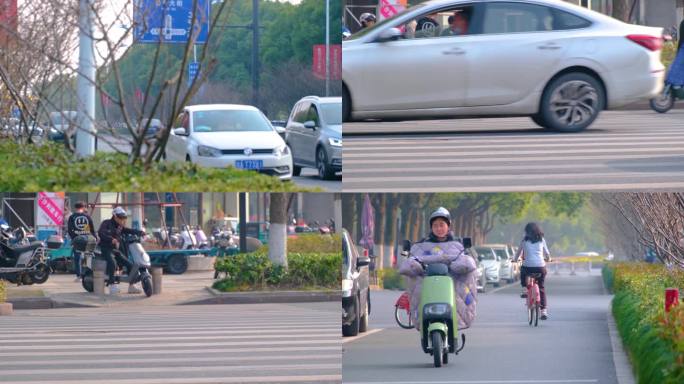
(535,253)
(110,239)
(440,246)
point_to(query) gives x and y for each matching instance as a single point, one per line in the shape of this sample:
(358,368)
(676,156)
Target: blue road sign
(193,72)
(169,21)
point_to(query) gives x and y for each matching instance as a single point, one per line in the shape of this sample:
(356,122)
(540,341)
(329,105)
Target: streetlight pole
(255,53)
(85,134)
(327,48)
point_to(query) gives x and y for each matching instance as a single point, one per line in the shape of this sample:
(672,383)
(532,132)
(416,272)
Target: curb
(267,297)
(623,368)
(44,303)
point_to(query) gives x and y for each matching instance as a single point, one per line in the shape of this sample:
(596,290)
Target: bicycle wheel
(403,317)
(536,314)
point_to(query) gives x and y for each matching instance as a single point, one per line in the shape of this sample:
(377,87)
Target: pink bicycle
(402,311)
(533,298)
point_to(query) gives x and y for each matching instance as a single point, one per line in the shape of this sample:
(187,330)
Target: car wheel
(177,264)
(325,172)
(188,159)
(363,324)
(346,105)
(353,328)
(538,120)
(571,102)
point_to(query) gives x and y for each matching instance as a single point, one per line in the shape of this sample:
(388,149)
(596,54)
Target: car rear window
(563,21)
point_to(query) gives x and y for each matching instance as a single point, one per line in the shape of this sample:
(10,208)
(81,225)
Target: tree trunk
(277,232)
(381,229)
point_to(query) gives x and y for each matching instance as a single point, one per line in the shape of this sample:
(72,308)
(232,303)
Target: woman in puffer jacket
(441,247)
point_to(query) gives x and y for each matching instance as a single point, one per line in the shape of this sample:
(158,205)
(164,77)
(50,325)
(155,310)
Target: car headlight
(436,309)
(205,151)
(335,142)
(347,286)
(281,151)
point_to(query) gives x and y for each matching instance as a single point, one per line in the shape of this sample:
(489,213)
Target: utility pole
(255,53)
(327,48)
(85,134)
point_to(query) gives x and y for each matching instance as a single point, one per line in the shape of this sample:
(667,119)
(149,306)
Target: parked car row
(497,262)
(221,135)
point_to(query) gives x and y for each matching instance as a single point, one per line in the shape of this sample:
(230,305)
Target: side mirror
(390,34)
(467,242)
(362,262)
(406,246)
(180,132)
(309,124)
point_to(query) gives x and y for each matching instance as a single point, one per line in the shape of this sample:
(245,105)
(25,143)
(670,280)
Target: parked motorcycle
(201,238)
(437,313)
(132,249)
(22,261)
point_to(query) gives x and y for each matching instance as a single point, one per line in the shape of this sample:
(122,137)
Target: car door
(416,72)
(295,130)
(176,147)
(309,136)
(516,53)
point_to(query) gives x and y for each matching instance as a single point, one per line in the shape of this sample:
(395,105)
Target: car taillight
(652,43)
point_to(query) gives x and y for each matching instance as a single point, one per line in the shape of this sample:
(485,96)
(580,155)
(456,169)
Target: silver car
(558,63)
(314,134)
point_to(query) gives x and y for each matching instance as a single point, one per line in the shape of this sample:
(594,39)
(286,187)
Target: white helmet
(366,17)
(119,212)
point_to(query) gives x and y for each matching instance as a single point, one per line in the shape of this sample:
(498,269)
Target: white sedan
(223,135)
(558,63)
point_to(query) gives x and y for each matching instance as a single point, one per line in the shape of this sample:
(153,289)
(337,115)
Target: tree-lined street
(573,346)
(623,150)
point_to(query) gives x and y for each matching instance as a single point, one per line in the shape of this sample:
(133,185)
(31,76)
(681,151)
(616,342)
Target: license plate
(249,164)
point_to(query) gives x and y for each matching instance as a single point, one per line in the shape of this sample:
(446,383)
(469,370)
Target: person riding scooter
(441,247)
(110,239)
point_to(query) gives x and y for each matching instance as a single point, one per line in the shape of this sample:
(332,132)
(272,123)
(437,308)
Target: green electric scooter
(437,311)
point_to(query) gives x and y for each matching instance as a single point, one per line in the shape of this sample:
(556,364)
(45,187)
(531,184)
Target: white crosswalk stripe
(263,343)
(625,150)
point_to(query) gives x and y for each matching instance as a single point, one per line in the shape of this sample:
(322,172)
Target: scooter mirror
(406,245)
(362,262)
(467,242)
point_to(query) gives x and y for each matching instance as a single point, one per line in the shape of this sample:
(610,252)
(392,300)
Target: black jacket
(110,230)
(431,238)
(80,224)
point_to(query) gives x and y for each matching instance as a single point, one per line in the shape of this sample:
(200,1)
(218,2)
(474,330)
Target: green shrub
(3,293)
(608,276)
(655,341)
(315,243)
(49,167)
(391,279)
(255,271)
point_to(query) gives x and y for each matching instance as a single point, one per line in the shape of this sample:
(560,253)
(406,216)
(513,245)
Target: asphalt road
(622,150)
(259,343)
(573,346)
(307,179)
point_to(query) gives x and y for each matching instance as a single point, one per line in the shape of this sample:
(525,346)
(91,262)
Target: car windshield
(332,113)
(501,253)
(365,31)
(230,121)
(486,253)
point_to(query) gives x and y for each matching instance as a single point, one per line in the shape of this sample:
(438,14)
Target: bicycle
(533,298)
(403,308)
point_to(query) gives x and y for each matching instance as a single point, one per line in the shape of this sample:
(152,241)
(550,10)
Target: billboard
(50,212)
(335,61)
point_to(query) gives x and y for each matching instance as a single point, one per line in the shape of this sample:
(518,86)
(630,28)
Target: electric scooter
(132,250)
(437,313)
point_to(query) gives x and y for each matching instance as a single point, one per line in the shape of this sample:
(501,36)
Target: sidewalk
(61,291)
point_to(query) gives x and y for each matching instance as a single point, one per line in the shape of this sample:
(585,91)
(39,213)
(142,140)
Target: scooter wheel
(437,349)
(87,280)
(147,285)
(41,274)
(663,103)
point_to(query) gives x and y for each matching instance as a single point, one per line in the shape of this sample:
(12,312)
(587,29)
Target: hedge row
(654,340)
(255,271)
(311,243)
(49,167)
(3,293)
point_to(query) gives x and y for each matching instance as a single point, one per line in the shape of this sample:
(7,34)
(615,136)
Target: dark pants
(524,271)
(77,262)
(112,257)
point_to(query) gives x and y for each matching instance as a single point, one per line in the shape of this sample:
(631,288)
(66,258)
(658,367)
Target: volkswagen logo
(248,151)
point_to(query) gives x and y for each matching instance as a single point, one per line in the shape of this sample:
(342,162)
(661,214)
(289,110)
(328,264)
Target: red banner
(51,208)
(335,61)
(8,20)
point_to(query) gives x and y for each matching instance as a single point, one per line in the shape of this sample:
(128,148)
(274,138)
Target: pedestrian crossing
(260,343)
(624,150)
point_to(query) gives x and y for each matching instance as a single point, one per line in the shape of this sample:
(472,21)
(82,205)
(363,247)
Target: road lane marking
(526,381)
(195,380)
(361,335)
